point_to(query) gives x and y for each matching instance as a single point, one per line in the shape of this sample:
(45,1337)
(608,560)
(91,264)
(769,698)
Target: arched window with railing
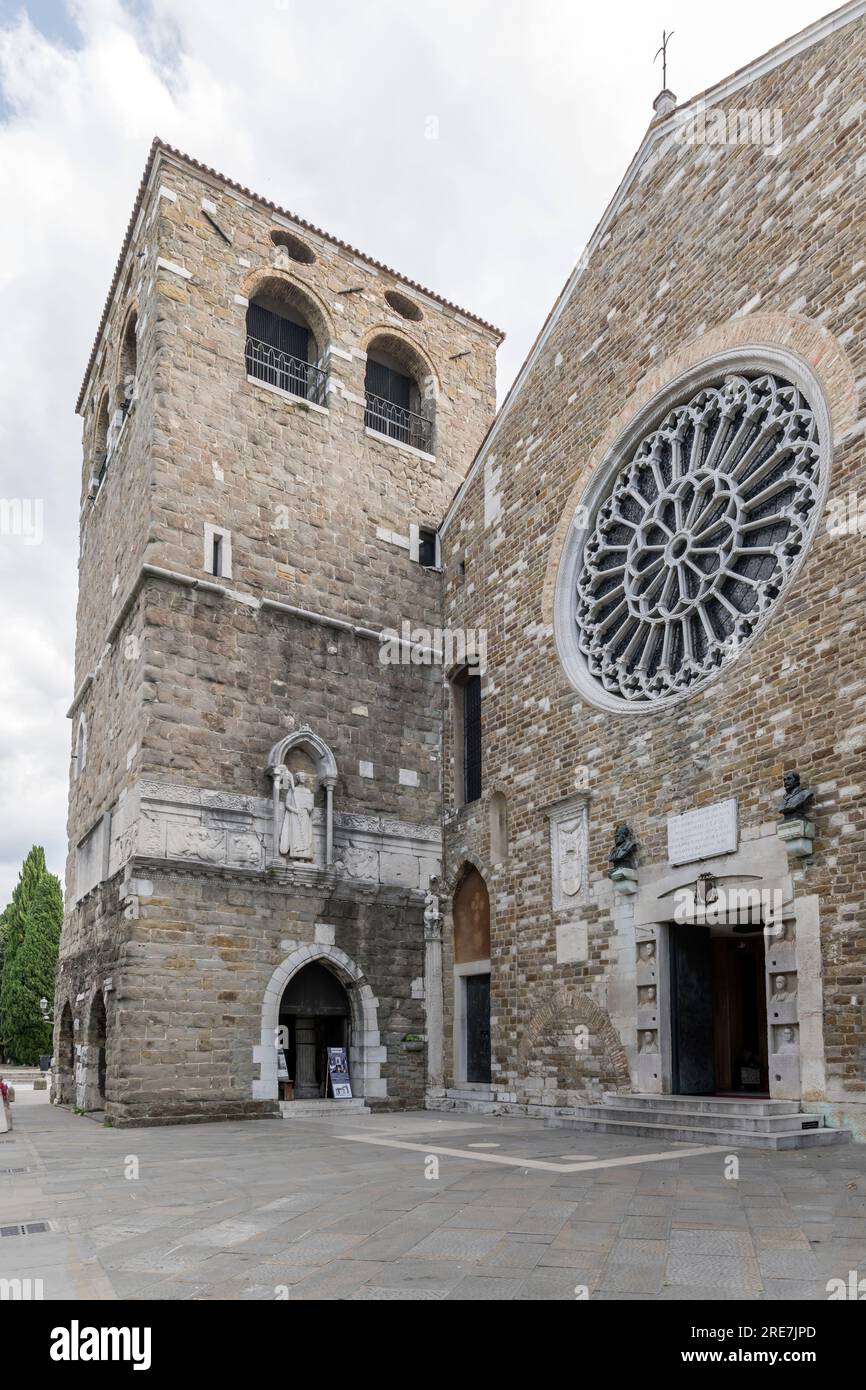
(80,754)
(286,341)
(128,363)
(100,439)
(399,392)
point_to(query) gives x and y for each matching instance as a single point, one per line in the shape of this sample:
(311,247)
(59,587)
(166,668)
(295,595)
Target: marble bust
(789,1041)
(781,993)
(648,1042)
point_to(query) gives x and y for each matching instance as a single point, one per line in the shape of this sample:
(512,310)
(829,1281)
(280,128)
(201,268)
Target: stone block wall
(189,967)
(711,247)
(190,679)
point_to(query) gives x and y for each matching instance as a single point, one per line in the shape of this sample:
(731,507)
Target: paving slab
(267,1210)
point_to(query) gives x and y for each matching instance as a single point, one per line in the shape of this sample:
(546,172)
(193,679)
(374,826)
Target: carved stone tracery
(697,537)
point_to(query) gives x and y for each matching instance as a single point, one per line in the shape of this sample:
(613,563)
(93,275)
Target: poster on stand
(338,1073)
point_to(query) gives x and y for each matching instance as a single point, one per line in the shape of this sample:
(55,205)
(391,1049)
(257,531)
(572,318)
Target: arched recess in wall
(127,361)
(306,742)
(498,813)
(471,911)
(99,448)
(560,1010)
(288,335)
(65,1058)
(80,750)
(401,390)
(96,1038)
(472,981)
(304,752)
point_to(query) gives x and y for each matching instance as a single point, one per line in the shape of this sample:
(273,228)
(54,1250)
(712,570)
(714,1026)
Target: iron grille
(398,422)
(287,373)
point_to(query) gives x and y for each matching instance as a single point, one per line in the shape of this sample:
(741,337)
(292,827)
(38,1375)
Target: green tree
(15,916)
(29,977)
(2,940)
(14,929)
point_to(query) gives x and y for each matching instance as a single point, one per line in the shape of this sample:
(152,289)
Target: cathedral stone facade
(523,758)
(660,538)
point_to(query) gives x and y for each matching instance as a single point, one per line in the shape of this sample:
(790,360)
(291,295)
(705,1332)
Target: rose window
(697,537)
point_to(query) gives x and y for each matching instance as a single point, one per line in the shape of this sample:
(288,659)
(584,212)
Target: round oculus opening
(402,305)
(296,249)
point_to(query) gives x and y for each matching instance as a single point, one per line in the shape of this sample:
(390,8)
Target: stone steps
(703,1104)
(471,1100)
(695,1120)
(321,1109)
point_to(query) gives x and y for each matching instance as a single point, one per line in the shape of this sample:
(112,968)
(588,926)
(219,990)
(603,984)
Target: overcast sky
(536,106)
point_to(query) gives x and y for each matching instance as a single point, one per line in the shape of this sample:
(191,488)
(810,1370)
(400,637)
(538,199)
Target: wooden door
(691,990)
(478,1028)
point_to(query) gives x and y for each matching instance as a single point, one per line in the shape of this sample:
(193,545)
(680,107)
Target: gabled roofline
(159,148)
(660,129)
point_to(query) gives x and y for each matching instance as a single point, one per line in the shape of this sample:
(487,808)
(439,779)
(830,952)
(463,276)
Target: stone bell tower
(273,426)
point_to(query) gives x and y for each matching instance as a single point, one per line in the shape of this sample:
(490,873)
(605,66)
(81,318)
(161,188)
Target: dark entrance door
(478,1028)
(740,1014)
(314,1012)
(692,1069)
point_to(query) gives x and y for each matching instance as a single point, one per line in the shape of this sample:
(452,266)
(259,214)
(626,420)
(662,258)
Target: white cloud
(324,109)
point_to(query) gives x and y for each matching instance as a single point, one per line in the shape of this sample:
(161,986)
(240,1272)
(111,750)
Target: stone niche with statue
(296,829)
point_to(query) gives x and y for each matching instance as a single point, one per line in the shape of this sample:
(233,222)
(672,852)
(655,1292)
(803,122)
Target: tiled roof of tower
(161,145)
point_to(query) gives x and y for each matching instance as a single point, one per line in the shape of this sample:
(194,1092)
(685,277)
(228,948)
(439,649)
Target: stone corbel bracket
(624,880)
(797,835)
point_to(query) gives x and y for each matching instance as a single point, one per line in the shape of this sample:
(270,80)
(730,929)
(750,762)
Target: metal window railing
(287,373)
(397,422)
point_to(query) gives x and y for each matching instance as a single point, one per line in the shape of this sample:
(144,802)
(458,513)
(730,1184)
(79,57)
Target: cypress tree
(2,940)
(29,977)
(14,920)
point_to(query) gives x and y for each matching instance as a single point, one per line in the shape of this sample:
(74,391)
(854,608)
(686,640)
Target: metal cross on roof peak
(666,38)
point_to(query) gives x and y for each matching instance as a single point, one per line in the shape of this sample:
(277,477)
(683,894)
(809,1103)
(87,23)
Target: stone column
(276,780)
(434,1006)
(329,824)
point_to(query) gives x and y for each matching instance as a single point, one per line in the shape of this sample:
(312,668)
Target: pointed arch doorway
(366,1054)
(315,1014)
(471,914)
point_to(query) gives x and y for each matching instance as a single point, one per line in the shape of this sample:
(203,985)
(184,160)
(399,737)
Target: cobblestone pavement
(316,1210)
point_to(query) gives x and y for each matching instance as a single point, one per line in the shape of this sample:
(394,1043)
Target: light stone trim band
(187,581)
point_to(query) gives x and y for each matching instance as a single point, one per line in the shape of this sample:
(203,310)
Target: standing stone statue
(296,833)
(432,915)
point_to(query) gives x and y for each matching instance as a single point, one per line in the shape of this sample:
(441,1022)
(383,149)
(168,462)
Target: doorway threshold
(742,1095)
(322,1109)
